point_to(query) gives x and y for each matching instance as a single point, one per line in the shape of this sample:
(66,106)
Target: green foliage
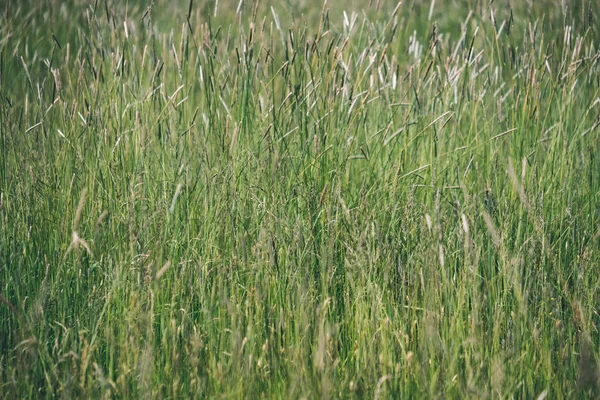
(286,200)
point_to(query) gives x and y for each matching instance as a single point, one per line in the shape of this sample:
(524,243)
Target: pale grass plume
(518,185)
(77,241)
(164,269)
(491,227)
(465,224)
(428,222)
(175,196)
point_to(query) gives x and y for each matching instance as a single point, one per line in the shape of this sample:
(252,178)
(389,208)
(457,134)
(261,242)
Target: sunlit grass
(303,200)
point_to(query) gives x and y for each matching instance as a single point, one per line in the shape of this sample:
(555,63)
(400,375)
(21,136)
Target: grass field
(356,199)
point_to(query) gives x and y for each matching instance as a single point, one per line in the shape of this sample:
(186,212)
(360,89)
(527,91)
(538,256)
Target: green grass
(291,199)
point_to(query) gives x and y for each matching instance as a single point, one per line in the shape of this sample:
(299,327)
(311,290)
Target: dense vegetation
(297,199)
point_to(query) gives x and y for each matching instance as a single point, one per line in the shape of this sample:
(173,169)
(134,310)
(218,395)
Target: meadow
(299,199)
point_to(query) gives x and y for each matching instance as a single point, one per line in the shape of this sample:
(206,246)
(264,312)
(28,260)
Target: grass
(297,199)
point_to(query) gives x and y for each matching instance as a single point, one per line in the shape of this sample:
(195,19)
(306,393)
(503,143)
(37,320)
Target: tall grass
(286,200)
